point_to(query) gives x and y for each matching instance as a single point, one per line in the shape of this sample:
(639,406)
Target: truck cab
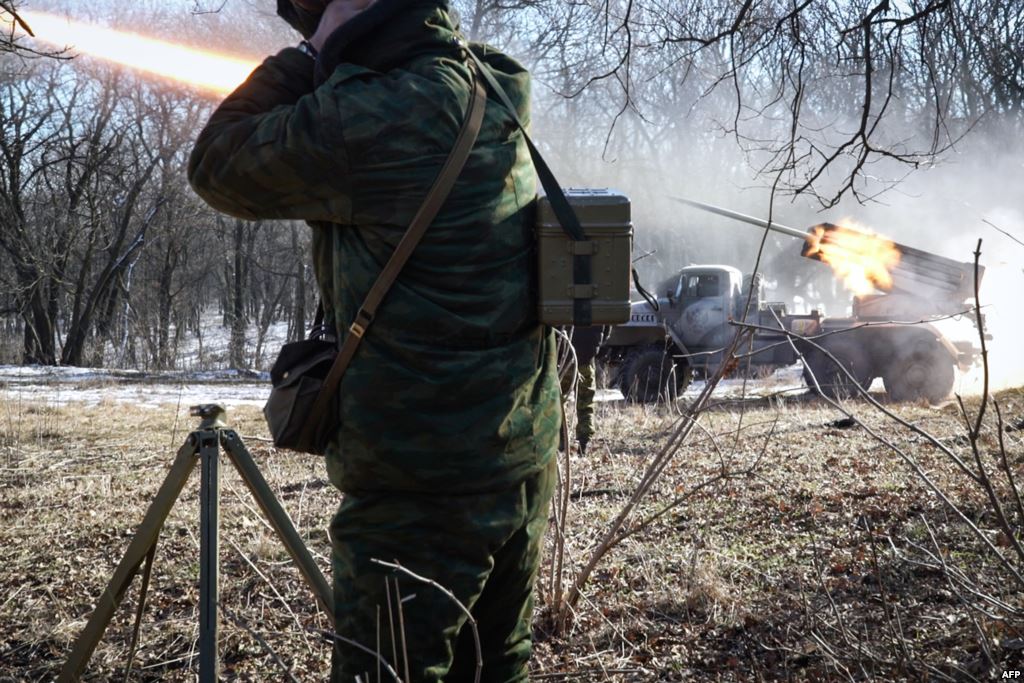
(686,329)
(703,301)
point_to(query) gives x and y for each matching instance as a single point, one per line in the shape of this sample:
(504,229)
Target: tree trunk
(236,348)
(298,326)
(40,347)
(163,351)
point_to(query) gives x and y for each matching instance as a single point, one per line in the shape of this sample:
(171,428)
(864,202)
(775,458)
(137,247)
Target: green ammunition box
(605,265)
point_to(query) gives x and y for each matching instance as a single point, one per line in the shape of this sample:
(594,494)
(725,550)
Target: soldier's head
(299,17)
(304,15)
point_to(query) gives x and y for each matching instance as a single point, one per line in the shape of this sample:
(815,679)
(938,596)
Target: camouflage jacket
(454,388)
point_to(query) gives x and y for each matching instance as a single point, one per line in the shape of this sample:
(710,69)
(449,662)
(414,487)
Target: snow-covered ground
(787,381)
(190,386)
(63,385)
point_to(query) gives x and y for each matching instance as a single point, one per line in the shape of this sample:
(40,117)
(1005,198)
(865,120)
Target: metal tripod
(203,445)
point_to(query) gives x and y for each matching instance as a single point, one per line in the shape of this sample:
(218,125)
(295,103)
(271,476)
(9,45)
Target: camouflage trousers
(585,390)
(485,549)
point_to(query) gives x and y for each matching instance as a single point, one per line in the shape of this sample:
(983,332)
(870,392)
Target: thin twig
(401,629)
(270,583)
(1014,489)
(241,623)
(913,464)
(988,222)
(471,620)
(334,637)
(391,620)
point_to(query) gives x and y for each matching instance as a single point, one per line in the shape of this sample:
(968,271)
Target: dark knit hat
(303,21)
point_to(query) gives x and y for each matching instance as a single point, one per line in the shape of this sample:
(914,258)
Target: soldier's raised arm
(274,148)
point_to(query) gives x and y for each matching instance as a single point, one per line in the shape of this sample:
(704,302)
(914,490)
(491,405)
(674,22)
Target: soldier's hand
(337,13)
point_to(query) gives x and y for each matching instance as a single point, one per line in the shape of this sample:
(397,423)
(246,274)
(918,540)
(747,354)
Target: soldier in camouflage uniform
(582,376)
(450,410)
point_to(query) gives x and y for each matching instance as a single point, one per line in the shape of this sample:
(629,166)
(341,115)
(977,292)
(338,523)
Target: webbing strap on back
(581,263)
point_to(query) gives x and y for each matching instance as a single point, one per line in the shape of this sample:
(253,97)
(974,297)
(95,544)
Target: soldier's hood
(386,34)
(299,19)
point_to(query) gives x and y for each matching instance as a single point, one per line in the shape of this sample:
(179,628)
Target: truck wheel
(924,370)
(831,380)
(650,375)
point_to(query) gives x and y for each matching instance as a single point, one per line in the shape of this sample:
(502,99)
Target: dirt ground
(822,556)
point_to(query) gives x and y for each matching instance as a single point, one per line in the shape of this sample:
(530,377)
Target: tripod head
(212,414)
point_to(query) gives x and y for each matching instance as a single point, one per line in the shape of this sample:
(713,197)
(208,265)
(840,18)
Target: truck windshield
(701,286)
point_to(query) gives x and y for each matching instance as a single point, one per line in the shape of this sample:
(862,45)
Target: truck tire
(651,375)
(831,380)
(923,369)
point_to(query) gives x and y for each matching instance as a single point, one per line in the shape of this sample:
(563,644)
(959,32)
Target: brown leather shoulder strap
(439,191)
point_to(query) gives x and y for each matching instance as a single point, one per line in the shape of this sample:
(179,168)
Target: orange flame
(210,71)
(861,259)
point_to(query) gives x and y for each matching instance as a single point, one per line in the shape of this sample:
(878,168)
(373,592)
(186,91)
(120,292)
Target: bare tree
(12,24)
(25,134)
(13,27)
(834,98)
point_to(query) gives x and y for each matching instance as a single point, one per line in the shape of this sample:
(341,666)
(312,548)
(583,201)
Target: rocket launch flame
(202,69)
(863,261)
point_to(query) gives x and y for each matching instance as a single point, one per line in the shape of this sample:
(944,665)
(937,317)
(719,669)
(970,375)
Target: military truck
(684,327)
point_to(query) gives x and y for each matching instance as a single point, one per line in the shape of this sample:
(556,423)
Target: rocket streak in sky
(208,71)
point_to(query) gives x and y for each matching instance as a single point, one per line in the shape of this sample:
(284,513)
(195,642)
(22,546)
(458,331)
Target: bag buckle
(361,323)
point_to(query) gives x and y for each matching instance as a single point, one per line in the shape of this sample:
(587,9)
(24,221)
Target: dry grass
(769,577)
(75,481)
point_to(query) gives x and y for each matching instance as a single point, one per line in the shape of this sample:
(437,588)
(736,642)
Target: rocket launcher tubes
(869,262)
(909,270)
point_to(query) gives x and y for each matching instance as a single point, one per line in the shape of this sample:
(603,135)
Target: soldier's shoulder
(501,63)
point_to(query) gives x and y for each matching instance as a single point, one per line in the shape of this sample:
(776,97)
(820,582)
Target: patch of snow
(787,380)
(63,385)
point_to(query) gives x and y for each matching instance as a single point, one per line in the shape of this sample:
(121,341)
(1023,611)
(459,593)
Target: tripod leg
(147,571)
(279,519)
(209,555)
(144,539)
